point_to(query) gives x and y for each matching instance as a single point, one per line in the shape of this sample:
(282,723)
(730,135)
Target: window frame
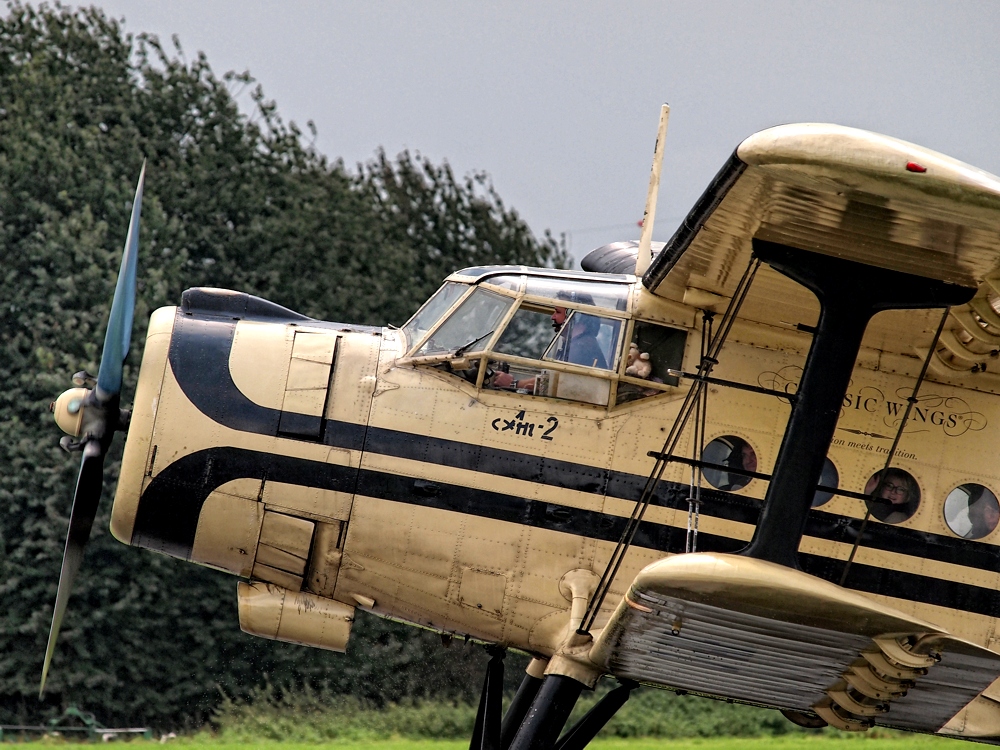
(482,357)
(663,388)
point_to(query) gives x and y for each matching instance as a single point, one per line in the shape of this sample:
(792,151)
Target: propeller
(91,416)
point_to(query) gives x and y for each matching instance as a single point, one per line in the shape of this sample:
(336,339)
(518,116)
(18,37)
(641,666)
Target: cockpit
(562,335)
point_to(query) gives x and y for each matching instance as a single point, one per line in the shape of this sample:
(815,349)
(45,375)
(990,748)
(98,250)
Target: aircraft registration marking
(524,427)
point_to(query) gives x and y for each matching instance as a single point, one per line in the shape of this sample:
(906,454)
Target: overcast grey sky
(559,101)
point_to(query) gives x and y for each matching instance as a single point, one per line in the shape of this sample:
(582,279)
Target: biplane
(754,463)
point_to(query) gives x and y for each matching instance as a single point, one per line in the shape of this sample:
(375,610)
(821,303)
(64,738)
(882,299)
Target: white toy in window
(639,365)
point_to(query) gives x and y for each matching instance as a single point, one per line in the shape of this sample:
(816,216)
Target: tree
(231,200)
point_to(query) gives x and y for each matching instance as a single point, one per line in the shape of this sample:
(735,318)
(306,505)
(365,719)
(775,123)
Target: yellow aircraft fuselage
(526,459)
(336,468)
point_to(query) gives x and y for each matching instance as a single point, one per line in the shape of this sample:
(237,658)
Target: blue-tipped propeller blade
(116,340)
(104,415)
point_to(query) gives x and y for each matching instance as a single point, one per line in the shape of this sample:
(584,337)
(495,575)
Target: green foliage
(319,716)
(658,713)
(233,201)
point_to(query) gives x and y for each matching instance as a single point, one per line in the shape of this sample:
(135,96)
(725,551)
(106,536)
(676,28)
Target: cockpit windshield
(432,310)
(470,327)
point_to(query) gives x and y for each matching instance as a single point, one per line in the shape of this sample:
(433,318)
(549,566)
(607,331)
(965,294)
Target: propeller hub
(68,410)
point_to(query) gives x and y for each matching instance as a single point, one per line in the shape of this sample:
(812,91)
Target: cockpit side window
(653,352)
(528,357)
(431,311)
(529,332)
(587,340)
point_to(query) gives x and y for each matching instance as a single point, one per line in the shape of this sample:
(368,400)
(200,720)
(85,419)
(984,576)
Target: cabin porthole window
(972,511)
(731,454)
(893,495)
(828,478)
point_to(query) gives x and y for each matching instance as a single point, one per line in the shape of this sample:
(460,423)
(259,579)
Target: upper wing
(852,194)
(843,192)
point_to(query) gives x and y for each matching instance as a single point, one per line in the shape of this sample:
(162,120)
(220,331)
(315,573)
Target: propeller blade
(81,519)
(119,334)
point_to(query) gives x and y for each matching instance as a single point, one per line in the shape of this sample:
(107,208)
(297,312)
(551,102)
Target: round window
(893,495)
(829,478)
(971,511)
(733,453)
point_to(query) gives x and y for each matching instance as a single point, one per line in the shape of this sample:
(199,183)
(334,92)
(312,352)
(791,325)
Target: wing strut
(691,404)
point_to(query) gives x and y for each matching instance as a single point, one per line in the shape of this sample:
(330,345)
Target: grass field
(787,742)
(652,720)
(826,740)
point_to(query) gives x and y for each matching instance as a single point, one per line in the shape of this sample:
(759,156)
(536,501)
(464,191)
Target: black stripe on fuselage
(199,357)
(168,517)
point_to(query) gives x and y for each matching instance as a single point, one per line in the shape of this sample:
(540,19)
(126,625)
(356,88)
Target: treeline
(232,200)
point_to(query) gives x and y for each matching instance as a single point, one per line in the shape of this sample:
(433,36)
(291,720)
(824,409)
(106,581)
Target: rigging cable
(910,402)
(691,401)
(698,447)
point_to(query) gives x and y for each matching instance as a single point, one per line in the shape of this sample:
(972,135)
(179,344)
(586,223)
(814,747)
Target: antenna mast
(649,215)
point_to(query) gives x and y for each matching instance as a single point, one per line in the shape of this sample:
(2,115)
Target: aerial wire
(691,401)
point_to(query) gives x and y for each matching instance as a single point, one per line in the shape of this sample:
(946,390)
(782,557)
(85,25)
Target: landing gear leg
(518,708)
(548,713)
(581,733)
(486,734)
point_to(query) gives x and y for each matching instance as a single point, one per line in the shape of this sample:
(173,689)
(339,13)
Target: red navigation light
(912,166)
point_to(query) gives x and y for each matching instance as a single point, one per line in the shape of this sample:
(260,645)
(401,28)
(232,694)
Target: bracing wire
(691,401)
(910,402)
(700,421)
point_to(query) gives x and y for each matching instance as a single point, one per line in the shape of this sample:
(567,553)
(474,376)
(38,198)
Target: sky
(559,101)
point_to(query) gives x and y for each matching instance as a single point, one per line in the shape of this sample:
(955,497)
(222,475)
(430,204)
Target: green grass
(876,740)
(787,742)
(651,719)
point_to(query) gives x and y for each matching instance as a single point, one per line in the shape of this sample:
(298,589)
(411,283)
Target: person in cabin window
(894,495)
(984,513)
(578,343)
(575,342)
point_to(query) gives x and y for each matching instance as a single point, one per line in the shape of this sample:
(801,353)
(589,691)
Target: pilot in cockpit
(575,342)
